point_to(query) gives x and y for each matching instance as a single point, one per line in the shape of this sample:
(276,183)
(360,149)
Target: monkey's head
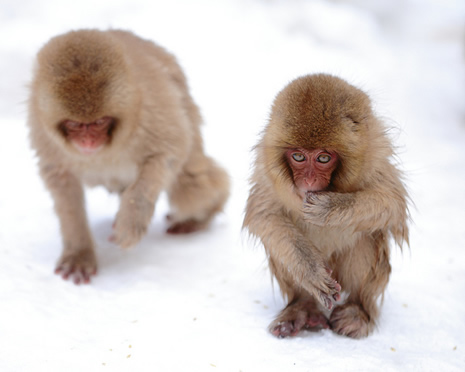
(83,90)
(321,136)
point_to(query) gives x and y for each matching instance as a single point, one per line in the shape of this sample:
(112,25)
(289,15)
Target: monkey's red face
(88,138)
(311,170)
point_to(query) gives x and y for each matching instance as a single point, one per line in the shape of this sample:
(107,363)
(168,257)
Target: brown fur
(336,236)
(155,143)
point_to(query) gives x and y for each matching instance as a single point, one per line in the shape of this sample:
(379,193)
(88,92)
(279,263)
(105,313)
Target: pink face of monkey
(311,169)
(88,138)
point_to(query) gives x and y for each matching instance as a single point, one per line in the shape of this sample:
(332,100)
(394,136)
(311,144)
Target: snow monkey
(109,108)
(325,200)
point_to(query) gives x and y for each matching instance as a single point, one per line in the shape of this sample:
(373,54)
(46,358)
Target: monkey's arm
(138,201)
(290,252)
(362,210)
(78,258)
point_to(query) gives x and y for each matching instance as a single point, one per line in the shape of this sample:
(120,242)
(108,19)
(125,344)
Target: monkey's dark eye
(323,158)
(101,122)
(298,156)
(72,125)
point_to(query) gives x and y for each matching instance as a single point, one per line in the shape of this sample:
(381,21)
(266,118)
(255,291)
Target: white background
(203,302)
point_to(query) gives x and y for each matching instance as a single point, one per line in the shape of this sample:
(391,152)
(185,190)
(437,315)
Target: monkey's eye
(72,125)
(103,122)
(323,158)
(298,157)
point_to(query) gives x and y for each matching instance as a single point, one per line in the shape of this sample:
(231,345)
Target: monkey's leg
(78,260)
(300,313)
(137,202)
(364,272)
(197,195)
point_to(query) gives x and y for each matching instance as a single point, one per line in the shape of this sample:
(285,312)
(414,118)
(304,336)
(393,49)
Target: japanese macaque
(109,108)
(325,201)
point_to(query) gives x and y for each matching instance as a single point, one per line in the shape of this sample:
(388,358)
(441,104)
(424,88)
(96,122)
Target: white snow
(203,302)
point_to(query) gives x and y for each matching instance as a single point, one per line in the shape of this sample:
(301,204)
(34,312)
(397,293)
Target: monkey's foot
(296,317)
(78,266)
(351,320)
(185,227)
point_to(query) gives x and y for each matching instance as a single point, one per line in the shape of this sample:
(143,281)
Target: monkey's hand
(77,264)
(132,219)
(323,287)
(311,272)
(328,208)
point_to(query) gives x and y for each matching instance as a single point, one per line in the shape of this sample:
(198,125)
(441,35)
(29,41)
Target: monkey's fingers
(330,294)
(337,287)
(76,273)
(78,266)
(316,207)
(132,221)
(325,300)
(127,235)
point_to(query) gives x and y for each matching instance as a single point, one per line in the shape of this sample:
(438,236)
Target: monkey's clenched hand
(327,208)
(132,219)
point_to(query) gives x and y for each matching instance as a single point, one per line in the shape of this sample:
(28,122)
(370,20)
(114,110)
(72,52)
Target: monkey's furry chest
(330,239)
(115,176)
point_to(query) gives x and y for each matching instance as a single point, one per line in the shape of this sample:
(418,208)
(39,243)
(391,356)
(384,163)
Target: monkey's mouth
(87,150)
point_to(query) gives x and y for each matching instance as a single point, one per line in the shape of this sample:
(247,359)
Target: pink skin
(302,322)
(311,168)
(78,275)
(303,315)
(88,138)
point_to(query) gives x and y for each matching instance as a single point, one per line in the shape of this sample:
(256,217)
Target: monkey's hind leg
(365,275)
(199,193)
(301,313)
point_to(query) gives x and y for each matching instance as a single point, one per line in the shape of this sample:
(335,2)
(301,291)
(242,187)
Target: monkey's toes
(292,327)
(299,316)
(186,227)
(351,320)
(79,266)
(284,329)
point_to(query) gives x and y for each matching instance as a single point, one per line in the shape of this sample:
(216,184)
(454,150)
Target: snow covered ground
(203,302)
